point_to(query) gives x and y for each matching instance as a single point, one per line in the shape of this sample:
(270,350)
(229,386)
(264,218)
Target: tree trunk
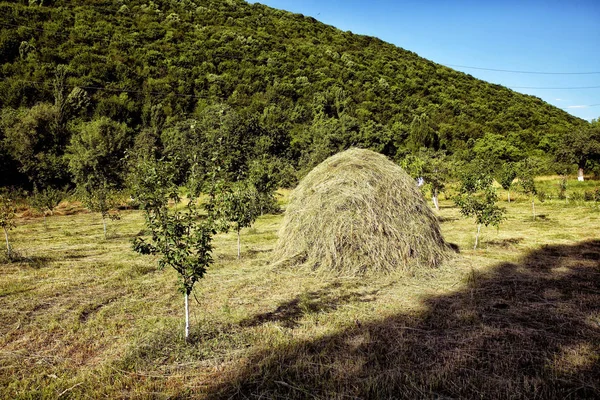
(104,224)
(187,317)
(533,207)
(477,236)
(8,253)
(239,244)
(434,197)
(508,191)
(580,174)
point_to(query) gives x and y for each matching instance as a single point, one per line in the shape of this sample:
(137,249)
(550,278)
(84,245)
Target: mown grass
(85,317)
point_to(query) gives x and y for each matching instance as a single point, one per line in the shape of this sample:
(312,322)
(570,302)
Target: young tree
(264,175)
(238,206)
(7,218)
(505,176)
(477,198)
(182,238)
(432,167)
(527,171)
(46,200)
(96,161)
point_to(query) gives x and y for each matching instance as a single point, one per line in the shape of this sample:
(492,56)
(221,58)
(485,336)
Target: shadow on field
(526,330)
(290,312)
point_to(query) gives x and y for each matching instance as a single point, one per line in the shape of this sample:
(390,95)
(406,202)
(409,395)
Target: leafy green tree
(265,175)
(7,218)
(34,142)
(505,176)
(96,162)
(497,147)
(421,133)
(181,237)
(432,167)
(477,198)
(238,205)
(581,147)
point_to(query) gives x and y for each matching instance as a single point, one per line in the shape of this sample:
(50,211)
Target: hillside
(197,77)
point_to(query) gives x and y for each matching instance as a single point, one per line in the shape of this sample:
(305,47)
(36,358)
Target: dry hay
(358,212)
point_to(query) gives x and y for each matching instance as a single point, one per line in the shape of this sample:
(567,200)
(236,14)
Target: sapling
(96,162)
(102,199)
(7,219)
(430,169)
(526,175)
(477,198)
(238,206)
(181,237)
(505,177)
(46,200)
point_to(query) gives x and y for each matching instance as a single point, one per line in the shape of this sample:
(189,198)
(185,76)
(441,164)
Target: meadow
(85,317)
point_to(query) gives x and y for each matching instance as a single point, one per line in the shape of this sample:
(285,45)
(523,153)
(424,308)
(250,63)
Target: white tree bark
(477,236)
(187,317)
(8,253)
(580,175)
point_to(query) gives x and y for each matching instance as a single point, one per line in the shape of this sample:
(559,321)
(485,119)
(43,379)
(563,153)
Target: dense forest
(240,85)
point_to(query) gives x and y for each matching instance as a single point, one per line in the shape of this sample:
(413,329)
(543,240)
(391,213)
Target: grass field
(85,317)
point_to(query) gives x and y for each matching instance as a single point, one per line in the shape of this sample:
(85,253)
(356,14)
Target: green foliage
(241,81)
(266,176)
(432,166)
(527,170)
(506,175)
(562,187)
(421,134)
(96,162)
(47,199)
(35,143)
(477,198)
(581,147)
(181,237)
(237,205)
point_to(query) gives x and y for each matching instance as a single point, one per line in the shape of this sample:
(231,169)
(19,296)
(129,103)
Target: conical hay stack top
(358,212)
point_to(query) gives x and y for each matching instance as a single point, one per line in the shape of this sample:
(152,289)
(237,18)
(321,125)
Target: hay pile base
(358,212)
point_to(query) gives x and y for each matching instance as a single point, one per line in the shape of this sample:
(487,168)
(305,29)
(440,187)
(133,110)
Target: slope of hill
(189,74)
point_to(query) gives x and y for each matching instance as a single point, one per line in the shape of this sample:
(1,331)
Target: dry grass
(84,317)
(358,212)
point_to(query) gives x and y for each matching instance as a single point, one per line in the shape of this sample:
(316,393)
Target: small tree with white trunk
(237,206)
(527,171)
(477,198)
(46,200)
(180,236)
(505,176)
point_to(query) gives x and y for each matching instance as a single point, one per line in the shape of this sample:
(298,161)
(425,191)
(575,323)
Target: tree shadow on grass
(289,313)
(523,331)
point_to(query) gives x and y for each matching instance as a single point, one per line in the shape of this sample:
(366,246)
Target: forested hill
(243,81)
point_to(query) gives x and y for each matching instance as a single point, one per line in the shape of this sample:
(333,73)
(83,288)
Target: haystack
(358,212)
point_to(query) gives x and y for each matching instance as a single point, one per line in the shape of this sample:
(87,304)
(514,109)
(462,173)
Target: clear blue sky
(538,36)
